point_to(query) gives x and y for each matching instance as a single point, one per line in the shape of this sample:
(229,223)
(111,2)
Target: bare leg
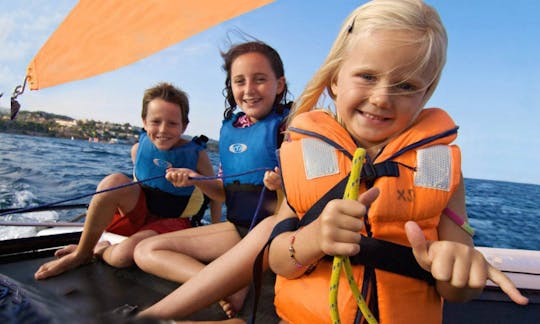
(100,248)
(100,213)
(178,256)
(121,255)
(224,276)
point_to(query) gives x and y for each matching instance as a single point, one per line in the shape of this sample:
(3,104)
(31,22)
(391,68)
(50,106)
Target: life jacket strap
(371,172)
(390,257)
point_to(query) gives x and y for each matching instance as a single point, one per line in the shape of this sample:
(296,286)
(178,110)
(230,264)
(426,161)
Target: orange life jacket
(429,172)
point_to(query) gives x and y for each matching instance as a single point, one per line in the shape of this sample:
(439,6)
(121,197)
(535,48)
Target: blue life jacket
(246,149)
(162,197)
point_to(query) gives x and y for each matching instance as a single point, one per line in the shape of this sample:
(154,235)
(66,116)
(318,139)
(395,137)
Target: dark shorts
(242,230)
(139,219)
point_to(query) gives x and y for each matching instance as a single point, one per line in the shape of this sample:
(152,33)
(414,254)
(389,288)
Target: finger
(342,249)
(478,273)
(461,272)
(369,196)
(443,267)
(506,285)
(419,244)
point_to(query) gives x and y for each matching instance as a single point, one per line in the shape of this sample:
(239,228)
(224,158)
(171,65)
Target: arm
(215,211)
(272,181)
(461,271)
(180,177)
(134,152)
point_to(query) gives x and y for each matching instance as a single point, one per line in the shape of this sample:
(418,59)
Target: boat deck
(98,293)
(95,293)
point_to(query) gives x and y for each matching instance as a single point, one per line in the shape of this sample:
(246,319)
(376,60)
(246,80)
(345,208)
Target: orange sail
(100,36)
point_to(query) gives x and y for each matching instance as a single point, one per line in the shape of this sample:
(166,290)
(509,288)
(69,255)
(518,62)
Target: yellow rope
(351,192)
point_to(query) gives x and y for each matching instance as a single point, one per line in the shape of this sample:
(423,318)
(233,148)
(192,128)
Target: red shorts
(139,219)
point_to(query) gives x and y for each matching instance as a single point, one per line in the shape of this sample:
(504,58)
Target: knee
(120,258)
(142,252)
(113,180)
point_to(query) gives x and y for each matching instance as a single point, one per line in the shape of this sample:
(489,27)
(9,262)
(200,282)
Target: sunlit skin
(255,85)
(164,124)
(378,95)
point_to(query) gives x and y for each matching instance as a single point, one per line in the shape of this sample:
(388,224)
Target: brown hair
(250,47)
(169,93)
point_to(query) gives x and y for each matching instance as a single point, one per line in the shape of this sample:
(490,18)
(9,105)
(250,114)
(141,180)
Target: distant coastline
(40,123)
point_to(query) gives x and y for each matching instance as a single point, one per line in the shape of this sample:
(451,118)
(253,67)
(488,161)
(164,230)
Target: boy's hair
(168,93)
(404,15)
(250,47)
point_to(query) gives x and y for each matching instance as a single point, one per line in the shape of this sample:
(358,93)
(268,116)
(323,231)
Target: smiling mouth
(252,101)
(373,117)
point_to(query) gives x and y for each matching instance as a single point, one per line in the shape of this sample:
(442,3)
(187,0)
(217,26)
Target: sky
(490,84)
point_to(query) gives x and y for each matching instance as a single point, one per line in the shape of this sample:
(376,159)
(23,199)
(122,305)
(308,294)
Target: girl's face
(379,93)
(163,123)
(254,85)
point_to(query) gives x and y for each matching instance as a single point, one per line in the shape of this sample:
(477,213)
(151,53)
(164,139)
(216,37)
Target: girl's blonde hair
(404,15)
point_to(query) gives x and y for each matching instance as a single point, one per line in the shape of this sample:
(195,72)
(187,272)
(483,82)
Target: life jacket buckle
(369,173)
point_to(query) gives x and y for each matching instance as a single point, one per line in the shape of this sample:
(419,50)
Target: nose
(250,86)
(380,96)
(162,127)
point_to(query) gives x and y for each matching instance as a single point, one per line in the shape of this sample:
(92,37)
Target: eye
(260,79)
(406,86)
(367,77)
(238,82)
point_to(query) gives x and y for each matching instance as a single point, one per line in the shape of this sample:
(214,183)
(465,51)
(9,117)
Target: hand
(340,224)
(272,179)
(458,264)
(179,177)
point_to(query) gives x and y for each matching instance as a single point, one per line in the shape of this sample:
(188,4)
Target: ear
(144,123)
(280,85)
(333,86)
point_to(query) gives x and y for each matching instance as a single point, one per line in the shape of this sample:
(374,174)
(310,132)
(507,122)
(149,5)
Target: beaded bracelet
(297,264)
(459,221)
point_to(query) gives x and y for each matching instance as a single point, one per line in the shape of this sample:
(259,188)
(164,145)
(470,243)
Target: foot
(100,248)
(227,308)
(232,304)
(61,265)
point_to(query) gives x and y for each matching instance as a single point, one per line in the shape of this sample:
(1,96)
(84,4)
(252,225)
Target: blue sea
(41,170)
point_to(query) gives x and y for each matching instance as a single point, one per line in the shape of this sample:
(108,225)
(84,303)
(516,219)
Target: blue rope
(229,175)
(29,209)
(256,213)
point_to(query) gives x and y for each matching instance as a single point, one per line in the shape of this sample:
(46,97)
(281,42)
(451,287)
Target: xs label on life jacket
(405,195)
(237,148)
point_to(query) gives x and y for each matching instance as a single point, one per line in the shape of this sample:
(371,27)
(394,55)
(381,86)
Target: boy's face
(379,92)
(163,123)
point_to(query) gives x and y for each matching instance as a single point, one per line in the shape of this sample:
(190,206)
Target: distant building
(66,123)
